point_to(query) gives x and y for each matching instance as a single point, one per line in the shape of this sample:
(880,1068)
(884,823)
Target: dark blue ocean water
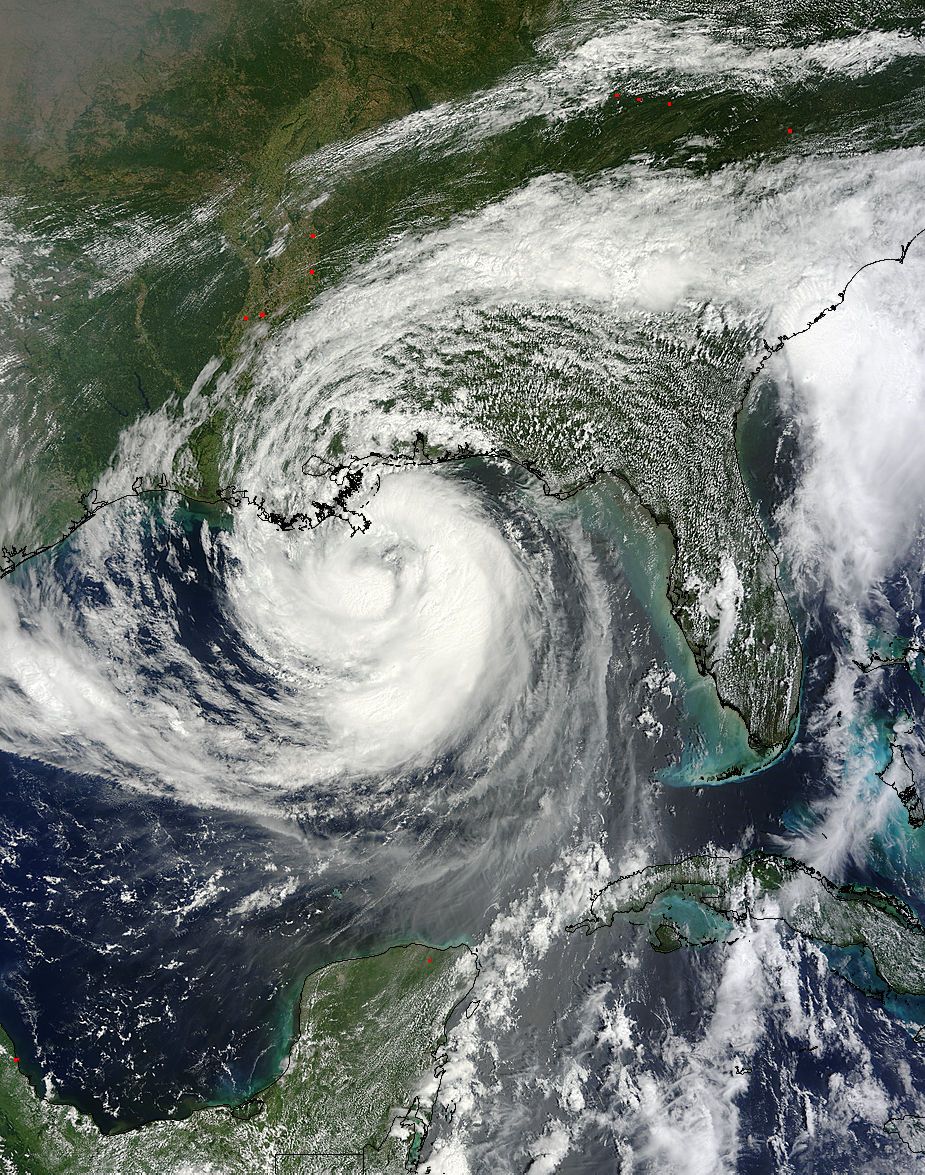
(152,950)
(131,980)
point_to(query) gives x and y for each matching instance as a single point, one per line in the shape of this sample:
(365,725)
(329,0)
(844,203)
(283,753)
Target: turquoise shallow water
(714,739)
(698,924)
(856,965)
(129,969)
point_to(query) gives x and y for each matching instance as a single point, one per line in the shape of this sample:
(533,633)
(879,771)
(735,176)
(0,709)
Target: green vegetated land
(145,196)
(357,1093)
(141,186)
(703,899)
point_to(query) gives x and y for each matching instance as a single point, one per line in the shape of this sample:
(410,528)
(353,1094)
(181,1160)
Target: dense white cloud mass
(469,630)
(580,63)
(857,387)
(437,630)
(409,632)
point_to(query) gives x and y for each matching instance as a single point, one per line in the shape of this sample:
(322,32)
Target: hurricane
(291,667)
(502,500)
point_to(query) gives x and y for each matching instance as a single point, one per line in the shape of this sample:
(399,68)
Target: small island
(703,899)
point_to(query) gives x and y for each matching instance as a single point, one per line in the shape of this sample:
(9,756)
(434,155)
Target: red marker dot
(669,103)
(313,235)
(430,960)
(616,95)
(638,99)
(16,1059)
(789,130)
(312,272)
(245,318)
(262,314)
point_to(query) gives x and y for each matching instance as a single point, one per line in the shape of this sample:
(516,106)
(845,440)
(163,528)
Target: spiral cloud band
(251,666)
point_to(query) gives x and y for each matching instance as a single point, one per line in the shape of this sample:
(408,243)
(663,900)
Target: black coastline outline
(910,797)
(769,352)
(439,1058)
(251,1108)
(913,646)
(348,477)
(591,922)
(892,1126)
(782,340)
